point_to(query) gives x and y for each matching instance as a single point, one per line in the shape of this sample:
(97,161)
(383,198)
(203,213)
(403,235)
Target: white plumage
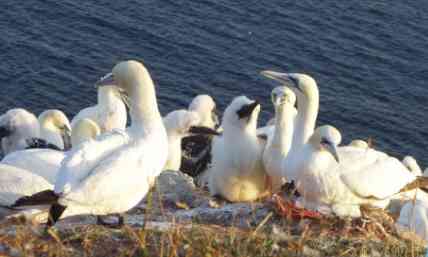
(177,124)
(205,106)
(237,172)
(17,125)
(279,144)
(109,113)
(46,162)
(114,172)
(55,128)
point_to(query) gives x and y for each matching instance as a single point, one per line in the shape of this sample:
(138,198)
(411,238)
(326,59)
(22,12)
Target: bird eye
(294,80)
(325,141)
(273,97)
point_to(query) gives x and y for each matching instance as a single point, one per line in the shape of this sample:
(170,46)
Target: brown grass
(314,239)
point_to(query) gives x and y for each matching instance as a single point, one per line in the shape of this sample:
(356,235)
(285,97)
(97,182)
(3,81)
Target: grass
(269,235)
(315,238)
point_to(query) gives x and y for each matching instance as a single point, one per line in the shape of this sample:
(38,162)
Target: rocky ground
(178,219)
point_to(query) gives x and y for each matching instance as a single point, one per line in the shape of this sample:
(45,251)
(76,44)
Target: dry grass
(314,238)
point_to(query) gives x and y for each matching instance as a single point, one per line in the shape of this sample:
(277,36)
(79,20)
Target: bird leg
(119,224)
(289,209)
(268,186)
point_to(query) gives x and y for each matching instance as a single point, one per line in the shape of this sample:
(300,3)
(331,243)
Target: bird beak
(215,118)
(66,137)
(284,78)
(247,110)
(278,76)
(5,132)
(106,80)
(203,131)
(333,150)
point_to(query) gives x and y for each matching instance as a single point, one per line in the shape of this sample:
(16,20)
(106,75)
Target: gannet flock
(97,165)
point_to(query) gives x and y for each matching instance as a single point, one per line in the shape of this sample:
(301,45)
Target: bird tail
(420,182)
(55,213)
(46,197)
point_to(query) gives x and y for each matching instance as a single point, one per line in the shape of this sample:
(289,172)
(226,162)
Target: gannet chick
(55,131)
(110,175)
(412,165)
(206,108)
(17,125)
(196,149)
(84,130)
(180,124)
(237,172)
(110,111)
(359,143)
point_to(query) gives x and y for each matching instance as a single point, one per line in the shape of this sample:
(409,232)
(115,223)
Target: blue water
(369,57)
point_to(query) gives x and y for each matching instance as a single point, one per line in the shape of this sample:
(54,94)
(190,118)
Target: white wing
(15,183)
(89,112)
(42,162)
(82,159)
(370,173)
(117,183)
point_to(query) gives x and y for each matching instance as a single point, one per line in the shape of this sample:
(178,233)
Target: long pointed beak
(5,132)
(333,150)
(284,78)
(215,118)
(247,110)
(278,76)
(66,138)
(106,80)
(203,131)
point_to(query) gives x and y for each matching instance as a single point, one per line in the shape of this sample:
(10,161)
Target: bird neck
(308,105)
(107,95)
(51,134)
(143,106)
(283,134)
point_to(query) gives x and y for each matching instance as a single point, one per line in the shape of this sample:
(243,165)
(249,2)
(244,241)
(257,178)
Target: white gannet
(237,173)
(414,213)
(46,162)
(359,143)
(414,217)
(110,111)
(84,130)
(412,165)
(196,149)
(205,106)
(345,178)
(357,179)
(111,174)
(180,124)
(307,94)
(16,183)
(279,144)
(16,126)
(54,131)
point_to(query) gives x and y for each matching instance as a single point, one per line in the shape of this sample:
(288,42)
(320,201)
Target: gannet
(111,174)
(110,111)
(16,126)
(237,173)
(180,124)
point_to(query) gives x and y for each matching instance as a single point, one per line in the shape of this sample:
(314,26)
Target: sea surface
(369,57)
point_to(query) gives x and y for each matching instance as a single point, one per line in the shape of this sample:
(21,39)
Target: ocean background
(369,57)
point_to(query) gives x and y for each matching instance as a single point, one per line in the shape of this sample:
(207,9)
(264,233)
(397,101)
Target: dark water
(369,57)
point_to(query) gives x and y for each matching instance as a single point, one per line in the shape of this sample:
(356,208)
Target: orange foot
(289,209)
